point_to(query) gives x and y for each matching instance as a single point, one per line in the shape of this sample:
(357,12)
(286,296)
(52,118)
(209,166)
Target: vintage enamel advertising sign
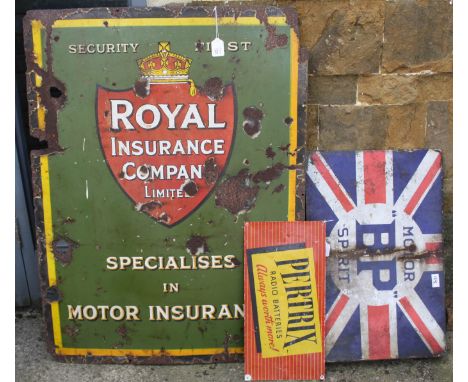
(155,154)
(385,278)
(284,295)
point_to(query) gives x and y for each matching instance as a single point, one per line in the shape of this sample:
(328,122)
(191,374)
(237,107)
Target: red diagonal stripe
(374,177)
(334,186)
(335,313)
(434,246)
(433,260)
(423,329)
(431,174)
(379,331)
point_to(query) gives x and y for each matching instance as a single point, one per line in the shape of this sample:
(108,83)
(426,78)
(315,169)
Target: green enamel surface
(107,224)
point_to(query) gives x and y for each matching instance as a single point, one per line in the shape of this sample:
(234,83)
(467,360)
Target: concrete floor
(34,364)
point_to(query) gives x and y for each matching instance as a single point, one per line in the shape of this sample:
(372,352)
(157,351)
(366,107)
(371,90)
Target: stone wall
(380,75)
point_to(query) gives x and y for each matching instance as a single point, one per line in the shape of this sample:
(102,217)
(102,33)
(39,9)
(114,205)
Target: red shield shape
(166,149)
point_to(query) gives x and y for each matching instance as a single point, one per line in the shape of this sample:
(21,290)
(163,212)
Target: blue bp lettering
(383,273)
(375,237)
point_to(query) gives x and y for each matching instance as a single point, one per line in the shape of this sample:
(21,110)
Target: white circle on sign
(365,278)
(406,231)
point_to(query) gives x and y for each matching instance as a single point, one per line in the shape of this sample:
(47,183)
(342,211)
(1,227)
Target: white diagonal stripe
(415,181)
(339,325)
(325,189)
(426,317)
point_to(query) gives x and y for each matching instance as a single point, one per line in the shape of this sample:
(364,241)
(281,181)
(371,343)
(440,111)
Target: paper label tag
(435,281)
(217,47)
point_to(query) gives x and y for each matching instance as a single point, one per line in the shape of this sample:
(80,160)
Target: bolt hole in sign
(157,155)
(284,295)
(385,275)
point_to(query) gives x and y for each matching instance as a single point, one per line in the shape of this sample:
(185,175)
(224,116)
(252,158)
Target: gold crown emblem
(166,67)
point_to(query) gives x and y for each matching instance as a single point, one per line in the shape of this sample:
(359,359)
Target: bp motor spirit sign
(156,154)
(385,276)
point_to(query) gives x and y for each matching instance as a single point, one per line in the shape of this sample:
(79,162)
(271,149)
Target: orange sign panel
(284,294)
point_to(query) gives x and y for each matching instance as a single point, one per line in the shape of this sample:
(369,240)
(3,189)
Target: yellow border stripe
(293,128)
(49,237)
(37,51)
(200,21)
(147,352)
(48,219)
(46,205)
(183,21)
(36,37)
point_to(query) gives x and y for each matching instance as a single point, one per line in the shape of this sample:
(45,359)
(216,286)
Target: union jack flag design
(385,298)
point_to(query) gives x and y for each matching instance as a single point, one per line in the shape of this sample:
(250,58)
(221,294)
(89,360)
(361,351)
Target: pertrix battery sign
(156,151)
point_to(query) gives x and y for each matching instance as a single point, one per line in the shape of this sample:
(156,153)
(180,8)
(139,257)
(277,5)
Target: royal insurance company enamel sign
(155,154)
